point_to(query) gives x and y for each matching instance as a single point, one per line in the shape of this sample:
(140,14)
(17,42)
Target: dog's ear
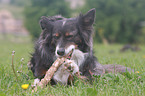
(88,18)
(45,23)
(85,25)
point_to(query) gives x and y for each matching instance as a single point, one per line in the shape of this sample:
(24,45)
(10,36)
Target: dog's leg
(64,71)
(71,66)
(61,75)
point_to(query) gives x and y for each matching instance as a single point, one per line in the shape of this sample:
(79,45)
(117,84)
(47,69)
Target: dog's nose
(61,51)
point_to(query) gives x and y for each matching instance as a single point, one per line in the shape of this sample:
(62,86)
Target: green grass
(108,85)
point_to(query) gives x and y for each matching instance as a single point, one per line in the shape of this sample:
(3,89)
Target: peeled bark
(49,74)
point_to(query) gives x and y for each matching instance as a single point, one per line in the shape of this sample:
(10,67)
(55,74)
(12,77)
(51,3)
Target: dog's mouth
(69,55)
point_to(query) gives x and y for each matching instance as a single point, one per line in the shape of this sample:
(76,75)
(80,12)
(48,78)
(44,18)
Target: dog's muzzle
(65,52)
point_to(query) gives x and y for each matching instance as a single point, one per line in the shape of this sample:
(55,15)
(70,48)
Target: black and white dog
(61,35)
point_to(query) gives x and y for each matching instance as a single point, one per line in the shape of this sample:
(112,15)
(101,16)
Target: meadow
(127,84)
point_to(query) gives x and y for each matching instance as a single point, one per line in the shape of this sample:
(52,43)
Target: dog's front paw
(71,66)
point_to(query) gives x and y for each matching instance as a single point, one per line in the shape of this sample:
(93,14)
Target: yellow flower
(143,56)
(25,86)
(137,72)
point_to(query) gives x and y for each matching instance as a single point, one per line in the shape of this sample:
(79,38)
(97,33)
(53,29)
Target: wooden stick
(50,73)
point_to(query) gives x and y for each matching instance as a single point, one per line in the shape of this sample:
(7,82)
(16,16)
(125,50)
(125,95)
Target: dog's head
(66,34)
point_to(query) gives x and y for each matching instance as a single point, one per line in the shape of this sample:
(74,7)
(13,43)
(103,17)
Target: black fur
(82,30)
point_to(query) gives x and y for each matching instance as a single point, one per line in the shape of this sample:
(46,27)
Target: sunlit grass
(108,85)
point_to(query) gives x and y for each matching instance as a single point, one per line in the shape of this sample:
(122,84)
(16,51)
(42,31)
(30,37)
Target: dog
(60,36)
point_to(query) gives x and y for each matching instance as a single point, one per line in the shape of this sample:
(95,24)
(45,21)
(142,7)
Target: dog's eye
(55,37)
(69,36)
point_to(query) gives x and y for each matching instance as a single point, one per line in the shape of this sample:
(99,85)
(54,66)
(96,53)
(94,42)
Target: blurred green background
(117,21)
